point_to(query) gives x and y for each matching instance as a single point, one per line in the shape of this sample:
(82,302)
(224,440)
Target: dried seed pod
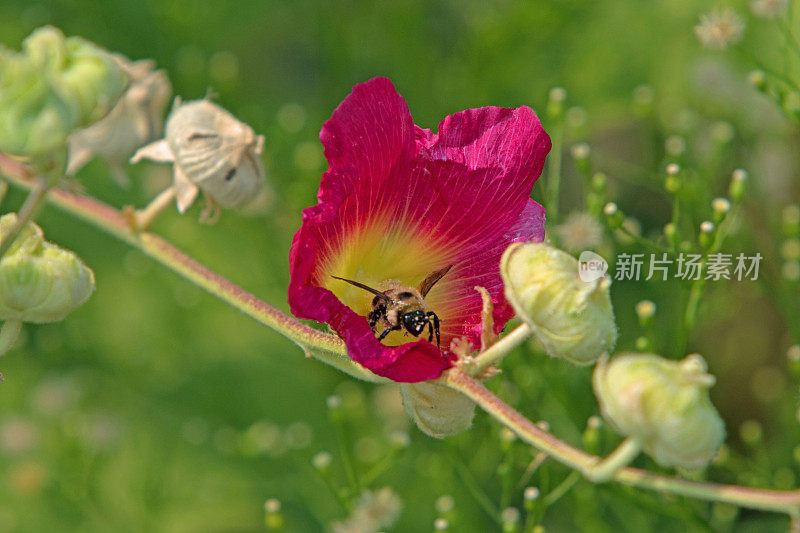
(212,151)
(133,122)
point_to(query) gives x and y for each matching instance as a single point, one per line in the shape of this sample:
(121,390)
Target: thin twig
(315,344)
(331,350)
(27,212)
(751,498)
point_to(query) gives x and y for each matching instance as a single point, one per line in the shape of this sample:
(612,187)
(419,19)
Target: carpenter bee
(403,308)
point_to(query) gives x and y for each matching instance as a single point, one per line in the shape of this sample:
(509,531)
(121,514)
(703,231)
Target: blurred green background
(155,407)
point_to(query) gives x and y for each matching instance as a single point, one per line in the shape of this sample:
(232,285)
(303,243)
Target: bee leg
(373,318)
(434,328)
(387,331)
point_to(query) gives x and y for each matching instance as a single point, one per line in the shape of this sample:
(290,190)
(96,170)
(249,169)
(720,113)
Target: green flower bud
(556,100)
(663,404)
(614,217)
(437,410)
(572,318)
(40,282)
(758,79)
(53,86)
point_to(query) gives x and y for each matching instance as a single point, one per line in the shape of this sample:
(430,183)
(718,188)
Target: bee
(403,308)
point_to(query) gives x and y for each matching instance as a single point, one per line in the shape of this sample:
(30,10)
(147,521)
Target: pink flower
(398,203)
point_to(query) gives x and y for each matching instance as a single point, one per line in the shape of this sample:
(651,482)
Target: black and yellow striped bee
(403,308)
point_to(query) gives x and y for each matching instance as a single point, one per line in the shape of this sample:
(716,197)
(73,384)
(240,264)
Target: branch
(326,348)
(752,498)
(331,350)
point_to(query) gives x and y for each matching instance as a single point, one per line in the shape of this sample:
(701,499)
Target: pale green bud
(50,88)
(663,404)
(572,318)
(40,282)
(437,410)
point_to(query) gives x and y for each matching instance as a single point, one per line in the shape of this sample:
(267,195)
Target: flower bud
(572,318)
(53,86)
(738,184)
(614,217)
(645,311)
(212,151)
(758,79)
(790,220)
(437,410)
(706,236)
(556,100)
(663,404)
(133,122)
(40,282)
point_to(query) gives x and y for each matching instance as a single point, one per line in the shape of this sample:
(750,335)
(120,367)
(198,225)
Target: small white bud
(510,516)
(581,151)
(675,145)
(445,504)
(333,401)
(321,461)
(721,205)
(645,309)
(558,94)
(531,493)
(707,227)
(272,505)
(673,169)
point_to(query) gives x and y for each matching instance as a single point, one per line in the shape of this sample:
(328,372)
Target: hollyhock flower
(399,203)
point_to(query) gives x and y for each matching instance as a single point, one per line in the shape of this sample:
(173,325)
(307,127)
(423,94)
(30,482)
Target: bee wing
(365,287)
(428,283)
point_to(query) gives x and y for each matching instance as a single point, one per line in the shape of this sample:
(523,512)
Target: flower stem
(27,212)
(498,350)
(315,344)
(9,332)
(143,218)
(330,350)
(605,469)
(751,498)
(562,488)
(554,171)
(3,190)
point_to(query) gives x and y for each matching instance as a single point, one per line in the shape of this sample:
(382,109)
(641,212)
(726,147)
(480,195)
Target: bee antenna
(365,287)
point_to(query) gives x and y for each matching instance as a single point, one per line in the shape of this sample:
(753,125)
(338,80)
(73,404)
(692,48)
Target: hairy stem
(554,171)
(143,218)
(330,350)
(751,498)
(315,344)
(604,469)
(498,350)
(36,196)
